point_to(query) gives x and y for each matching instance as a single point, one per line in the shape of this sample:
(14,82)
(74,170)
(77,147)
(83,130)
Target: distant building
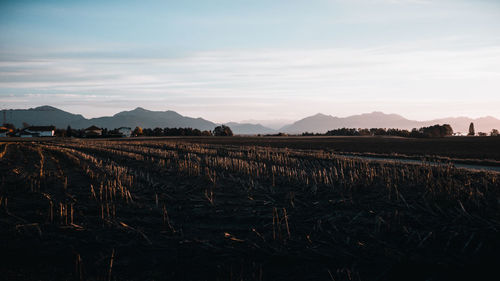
(125,131)
(26,135)
(38,131)
(3,132)
(93,131)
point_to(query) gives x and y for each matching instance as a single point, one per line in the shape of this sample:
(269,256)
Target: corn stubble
(192,211)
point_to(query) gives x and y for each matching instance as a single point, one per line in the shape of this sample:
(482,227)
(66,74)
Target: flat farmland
(246,208)
(480,148)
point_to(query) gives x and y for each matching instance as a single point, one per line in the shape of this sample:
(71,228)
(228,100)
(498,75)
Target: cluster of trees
(80,133)
(157,132)
(424,132)
(222,131)
(138,131)
(436,131)
(218,131)
(77,133)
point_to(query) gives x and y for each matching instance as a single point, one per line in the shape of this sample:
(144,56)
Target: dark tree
(68,131)
(158,131)
(436,131)
(448,130)
(364,132)
(147,132)
(415,133)
(206,133)
(60,133)
(223,131)
(137,131)
(471,129)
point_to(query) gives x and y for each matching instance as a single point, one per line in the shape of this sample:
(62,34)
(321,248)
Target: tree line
(424,132)
(218,131)
(156,132)
(221,130)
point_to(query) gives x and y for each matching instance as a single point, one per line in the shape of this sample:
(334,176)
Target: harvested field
(228,209)
(480,148)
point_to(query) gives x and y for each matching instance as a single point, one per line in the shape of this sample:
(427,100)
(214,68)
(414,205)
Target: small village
(8,130)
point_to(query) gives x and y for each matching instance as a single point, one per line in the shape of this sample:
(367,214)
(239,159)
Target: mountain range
(48,115)
(319,123)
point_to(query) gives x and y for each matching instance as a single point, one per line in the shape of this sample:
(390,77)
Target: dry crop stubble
(310,213)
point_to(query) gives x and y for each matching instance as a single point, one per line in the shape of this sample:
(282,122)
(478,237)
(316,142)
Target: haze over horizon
(238,60)
(264,122)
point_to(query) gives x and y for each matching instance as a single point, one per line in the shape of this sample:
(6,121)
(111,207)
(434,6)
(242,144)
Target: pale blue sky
(236,60)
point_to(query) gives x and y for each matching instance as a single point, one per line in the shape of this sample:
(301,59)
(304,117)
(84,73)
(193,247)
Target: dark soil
(182,226)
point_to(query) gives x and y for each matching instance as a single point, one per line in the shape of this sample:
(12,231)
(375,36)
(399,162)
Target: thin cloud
(330,76)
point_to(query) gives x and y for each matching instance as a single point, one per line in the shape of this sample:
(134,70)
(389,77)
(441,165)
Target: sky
(231,60)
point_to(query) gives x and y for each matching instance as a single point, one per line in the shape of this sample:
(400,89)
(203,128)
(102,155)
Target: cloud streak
(334,76)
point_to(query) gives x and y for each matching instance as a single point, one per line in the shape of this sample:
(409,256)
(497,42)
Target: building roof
(93,128)
(41,128)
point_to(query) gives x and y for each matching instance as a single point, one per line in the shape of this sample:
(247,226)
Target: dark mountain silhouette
(41,116)
(147,119)
(321,123)
(47,115)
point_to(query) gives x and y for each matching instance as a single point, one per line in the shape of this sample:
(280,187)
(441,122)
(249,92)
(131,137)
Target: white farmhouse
(125,131)
(40,131)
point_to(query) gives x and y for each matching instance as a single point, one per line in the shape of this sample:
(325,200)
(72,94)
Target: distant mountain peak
(319,114)
(380,114)
(46,108)
(135,111)
(489,118)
